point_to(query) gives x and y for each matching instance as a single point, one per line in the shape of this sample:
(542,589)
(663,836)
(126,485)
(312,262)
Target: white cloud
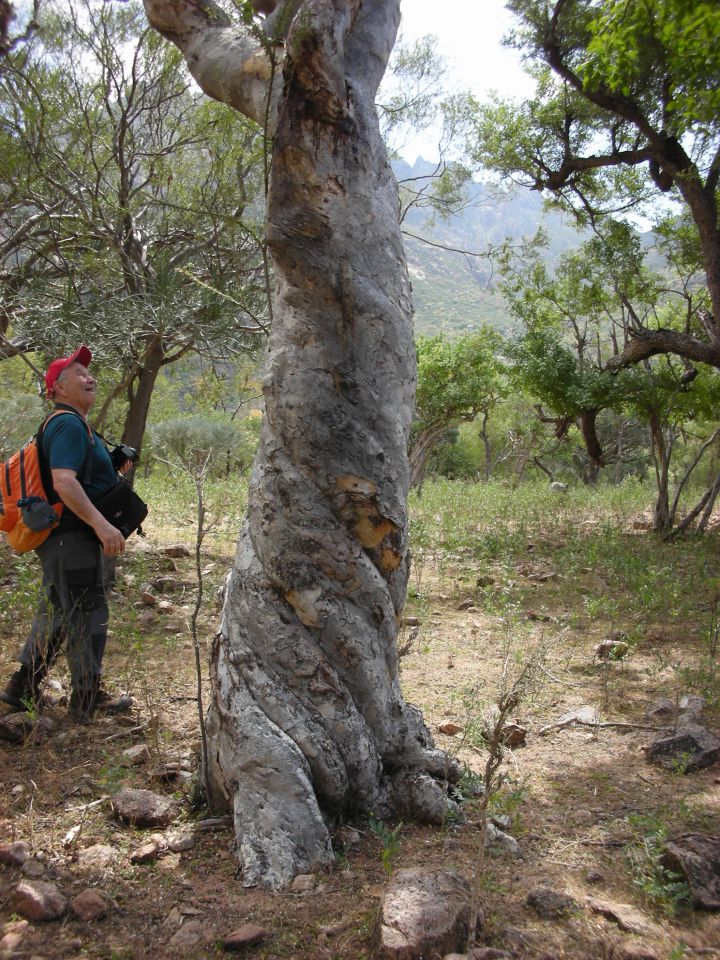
(470,39)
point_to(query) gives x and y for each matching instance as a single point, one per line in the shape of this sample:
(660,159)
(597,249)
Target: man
(73,606)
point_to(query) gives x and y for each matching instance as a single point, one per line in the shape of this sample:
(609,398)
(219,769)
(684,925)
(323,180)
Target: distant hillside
(455,293)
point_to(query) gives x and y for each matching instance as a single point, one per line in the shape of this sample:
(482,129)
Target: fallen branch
(561,724)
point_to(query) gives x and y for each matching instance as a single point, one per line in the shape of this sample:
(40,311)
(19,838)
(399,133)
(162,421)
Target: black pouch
(123,508)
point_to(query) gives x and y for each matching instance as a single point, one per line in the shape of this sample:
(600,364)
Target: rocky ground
(581,815)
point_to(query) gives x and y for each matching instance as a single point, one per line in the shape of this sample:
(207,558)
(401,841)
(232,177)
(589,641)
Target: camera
(121,454)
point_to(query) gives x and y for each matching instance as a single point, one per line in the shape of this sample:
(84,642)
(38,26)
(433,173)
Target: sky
(469,38)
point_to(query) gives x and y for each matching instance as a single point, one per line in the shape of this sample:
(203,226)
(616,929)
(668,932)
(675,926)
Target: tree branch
(648,343)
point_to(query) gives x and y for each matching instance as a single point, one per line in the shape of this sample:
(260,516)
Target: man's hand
(113,542)
(71,493)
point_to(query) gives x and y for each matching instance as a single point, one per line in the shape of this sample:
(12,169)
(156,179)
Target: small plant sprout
(390,839)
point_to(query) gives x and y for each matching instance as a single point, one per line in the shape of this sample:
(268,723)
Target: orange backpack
(27,514)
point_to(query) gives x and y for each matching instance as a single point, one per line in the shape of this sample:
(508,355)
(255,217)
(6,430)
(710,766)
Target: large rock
(697,858)
(190,936)
(423,913)
(626,916)
(691,748)
(37,900)
(143,808)
(551,904)
(17,727)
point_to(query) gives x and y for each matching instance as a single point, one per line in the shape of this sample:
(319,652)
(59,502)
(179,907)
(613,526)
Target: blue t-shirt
(66,443)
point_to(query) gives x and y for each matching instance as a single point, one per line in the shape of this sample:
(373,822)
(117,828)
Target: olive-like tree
(307,724)
(626,110)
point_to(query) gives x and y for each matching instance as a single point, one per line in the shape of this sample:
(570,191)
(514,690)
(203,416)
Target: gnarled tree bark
(307,724)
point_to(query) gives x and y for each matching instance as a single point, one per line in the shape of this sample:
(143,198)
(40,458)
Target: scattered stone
(147,595)
(691,748)
(38,900)
(166,584)
(246,936)
(594,876)
(450,729)
(466,604)
(143,808)
(33,869)
(661,709)
(484,582)
(190,934)
(550,904)
(697,857)
(501,821)
(542,577)
(147,617)
(624,915)
(173,919)
(166,606)
(180,842)
(632,951)
(98,856)
(176,550)
(12,935)
(89,905)
(514,736)
(423,912)
(499,841)
(304,883)
(348,836)
(15,854)
(148,851)
(410,622)
(136,755)
(538,617)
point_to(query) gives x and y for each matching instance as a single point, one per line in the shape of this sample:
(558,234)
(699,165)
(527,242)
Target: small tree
(457,379)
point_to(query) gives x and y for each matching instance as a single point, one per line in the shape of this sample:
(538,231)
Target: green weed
(390,840)
(665,889)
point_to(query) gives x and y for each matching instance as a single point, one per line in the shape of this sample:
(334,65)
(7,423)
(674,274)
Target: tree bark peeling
(308,725)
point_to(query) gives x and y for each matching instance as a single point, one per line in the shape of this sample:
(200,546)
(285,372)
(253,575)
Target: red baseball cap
(82,355)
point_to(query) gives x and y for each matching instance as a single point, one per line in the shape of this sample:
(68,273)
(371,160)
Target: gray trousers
(73,608)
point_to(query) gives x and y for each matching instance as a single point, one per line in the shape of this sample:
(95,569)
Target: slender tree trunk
(307,724)
(139,406)
(487,448)
(662,448)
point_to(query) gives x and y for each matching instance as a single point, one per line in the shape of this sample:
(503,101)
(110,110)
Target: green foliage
(457,378)
(20,416)
(665,889)
(128,198)
(390,840)
(202,446)
(635,48)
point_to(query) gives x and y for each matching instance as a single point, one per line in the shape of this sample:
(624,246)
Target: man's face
(76,386)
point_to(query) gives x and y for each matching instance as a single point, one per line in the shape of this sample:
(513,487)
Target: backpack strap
(45,471)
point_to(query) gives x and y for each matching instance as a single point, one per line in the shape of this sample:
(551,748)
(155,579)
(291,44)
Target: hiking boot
(19,690)
(105,702)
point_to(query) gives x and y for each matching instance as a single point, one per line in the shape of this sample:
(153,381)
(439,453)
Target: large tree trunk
(308,725)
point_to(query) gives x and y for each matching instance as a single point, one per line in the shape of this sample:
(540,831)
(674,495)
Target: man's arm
(68,488)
